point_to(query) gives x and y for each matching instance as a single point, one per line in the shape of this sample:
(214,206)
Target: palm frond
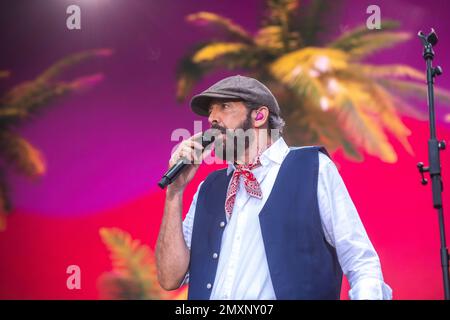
(389,118)
(134,271)
(379,100)
(216,50)
(28,97)
(370,43)
(116,286)
(21,154)
(416,90)
(405,108)
(368,105)
(365,131)
(231,29)
(68,62)
(24,100)
(353,73)
(349,39)
(307,124)
(389,70)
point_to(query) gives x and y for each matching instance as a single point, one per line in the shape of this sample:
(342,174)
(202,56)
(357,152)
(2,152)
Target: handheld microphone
(178,167)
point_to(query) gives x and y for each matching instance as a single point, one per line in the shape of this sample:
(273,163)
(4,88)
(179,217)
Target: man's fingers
(197,145)
(190,149)
(190,154)
(197,135)
(197,149)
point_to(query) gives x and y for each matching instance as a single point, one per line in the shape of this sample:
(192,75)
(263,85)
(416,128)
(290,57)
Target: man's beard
(234,142)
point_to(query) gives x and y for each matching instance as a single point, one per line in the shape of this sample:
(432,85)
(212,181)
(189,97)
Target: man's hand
(192,151)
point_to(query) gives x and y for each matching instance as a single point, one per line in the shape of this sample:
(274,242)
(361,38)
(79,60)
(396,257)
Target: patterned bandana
(251,184)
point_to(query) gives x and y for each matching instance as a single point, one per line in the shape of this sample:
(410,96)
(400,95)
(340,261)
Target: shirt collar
(274,154)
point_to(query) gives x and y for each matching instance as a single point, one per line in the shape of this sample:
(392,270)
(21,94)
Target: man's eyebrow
(216,102)
(219,102)
(225,101)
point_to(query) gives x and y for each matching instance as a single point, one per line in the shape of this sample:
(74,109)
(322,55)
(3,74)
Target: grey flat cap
(235,87)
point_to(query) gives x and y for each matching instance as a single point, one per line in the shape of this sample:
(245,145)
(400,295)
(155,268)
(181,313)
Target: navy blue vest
(302,264)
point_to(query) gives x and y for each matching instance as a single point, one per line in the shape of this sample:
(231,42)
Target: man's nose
(213,116)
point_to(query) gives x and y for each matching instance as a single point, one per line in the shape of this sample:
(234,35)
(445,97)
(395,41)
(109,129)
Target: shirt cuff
(370,289)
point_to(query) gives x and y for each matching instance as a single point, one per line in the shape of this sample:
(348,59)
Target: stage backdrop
(106,142)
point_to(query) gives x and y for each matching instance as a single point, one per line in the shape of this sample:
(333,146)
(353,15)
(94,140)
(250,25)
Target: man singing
(278,223)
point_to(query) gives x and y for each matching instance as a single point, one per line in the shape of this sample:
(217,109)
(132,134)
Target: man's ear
(260,116)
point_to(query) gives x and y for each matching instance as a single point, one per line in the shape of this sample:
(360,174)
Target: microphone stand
(434,148)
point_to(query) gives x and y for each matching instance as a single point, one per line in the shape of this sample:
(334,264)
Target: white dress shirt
(243,272)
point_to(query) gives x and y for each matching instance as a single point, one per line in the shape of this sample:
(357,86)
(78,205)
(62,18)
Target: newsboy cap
(235,87)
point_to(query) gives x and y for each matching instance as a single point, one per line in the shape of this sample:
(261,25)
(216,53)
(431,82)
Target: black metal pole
(434,148)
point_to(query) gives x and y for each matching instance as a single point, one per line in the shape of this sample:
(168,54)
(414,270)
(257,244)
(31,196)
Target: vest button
(209,286)
(215,255)
(222,224)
